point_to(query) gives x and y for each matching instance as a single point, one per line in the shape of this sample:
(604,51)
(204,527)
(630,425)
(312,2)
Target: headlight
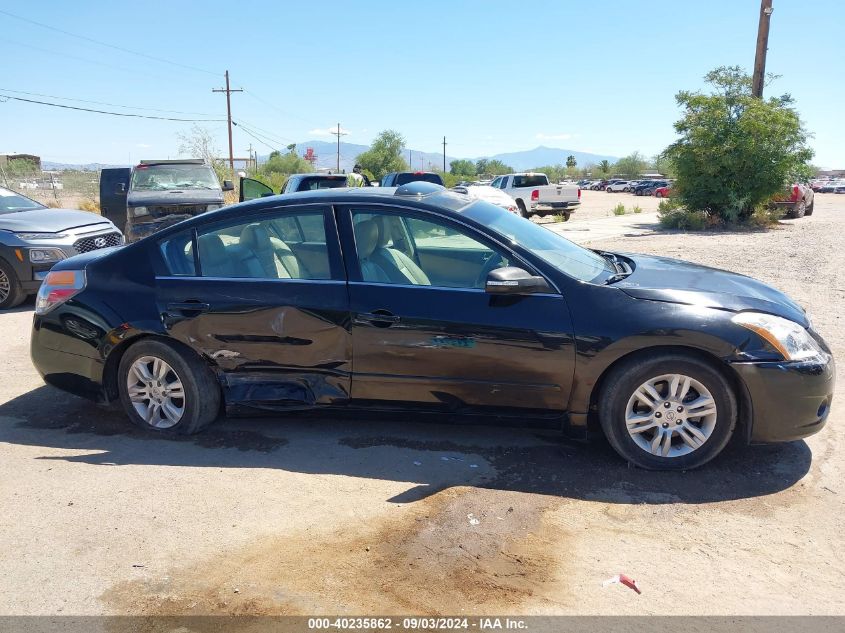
(27,237)
(45,255)
(139,211)
(787,337)
(213,207)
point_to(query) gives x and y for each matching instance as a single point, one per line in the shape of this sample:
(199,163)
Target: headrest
(212,250)
(385,229)
(366,238)
(256,237)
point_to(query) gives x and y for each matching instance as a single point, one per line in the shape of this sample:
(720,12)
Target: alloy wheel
(5,286)
(156,392)
(670,415)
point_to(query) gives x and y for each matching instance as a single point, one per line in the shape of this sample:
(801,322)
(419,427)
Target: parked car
(34,237)
(647,187)
(398,178)
(163,192)
(796,201)
(250,189)
(599,185)
(420,298)
(617,186)
(534,194)
(489,194)
(663,192)
(830,186)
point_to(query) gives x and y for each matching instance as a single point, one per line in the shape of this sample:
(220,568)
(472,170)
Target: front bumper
(789,401)
(137,229)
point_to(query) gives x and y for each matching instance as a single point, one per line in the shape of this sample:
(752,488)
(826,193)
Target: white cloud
(552,137)
(329,131)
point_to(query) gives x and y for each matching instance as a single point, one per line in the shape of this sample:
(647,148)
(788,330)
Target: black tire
(11,293)
(567,215)
(798,210)
(629,375)
(809,210)
(201,390)
(522,210)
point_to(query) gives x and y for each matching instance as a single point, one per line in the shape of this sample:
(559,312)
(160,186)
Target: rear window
(530,181)
(321,182)
(404,179)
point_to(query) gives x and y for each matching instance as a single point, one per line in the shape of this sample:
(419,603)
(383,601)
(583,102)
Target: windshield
(11,202)
(321,182)
(404,179)
(166,177)
(555,250)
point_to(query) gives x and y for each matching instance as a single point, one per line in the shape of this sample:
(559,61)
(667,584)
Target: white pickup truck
(534,194)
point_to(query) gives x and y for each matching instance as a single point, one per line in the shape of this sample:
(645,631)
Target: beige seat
(273,259)
(398,267)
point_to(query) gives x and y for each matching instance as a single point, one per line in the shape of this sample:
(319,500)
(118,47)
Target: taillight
(579,193)
(58,287)
(535,195)
(796,193)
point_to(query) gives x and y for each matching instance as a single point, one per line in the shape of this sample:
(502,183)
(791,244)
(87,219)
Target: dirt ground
(315,514)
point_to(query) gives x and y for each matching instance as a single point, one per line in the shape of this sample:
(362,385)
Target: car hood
(676,281)
(181,196)
(49,220)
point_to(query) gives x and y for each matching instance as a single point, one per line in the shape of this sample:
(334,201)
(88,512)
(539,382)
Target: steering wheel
(490,265)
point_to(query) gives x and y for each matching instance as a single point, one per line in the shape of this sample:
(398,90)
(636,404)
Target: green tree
(287,164)
(631,166)
(493,167)
(554,172)
(384,155)
(462,168)
(735,150)
(604,167)
(571,162)
(662,164)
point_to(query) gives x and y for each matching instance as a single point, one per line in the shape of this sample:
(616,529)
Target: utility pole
(229,92)
(410,159)
(762,47)
(444,154)
(338,134)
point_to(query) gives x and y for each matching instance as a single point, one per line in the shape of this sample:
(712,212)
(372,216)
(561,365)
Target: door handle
(379,318)
(187,308)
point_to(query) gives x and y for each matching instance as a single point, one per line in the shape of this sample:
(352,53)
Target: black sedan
(421,298)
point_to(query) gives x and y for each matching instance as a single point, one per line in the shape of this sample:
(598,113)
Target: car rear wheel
(667,411)
(11,293)
(522,210)
(798,210)
(166,390)
(809,210)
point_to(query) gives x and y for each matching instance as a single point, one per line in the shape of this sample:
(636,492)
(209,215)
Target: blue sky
(490,76)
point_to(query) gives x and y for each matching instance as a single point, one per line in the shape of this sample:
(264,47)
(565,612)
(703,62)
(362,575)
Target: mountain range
(326,152)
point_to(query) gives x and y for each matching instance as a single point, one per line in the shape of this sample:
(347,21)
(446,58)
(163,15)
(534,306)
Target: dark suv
(399,178)
(164,192)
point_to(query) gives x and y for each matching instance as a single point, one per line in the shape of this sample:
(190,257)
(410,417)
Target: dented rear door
(279,342)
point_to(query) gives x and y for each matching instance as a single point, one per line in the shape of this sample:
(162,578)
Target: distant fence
(74,189)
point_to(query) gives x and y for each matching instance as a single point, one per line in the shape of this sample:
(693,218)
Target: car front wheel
(667,411)
(166,390)
(11,293)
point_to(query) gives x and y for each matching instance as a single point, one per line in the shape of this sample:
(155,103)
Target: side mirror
(120,188)
(228,185)
(514,281)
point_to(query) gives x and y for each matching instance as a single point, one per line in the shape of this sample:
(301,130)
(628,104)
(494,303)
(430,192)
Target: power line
(123,114)
(114,105)
(112,46)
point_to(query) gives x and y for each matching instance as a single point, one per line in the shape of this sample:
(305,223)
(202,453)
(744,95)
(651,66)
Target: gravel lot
(306,514)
